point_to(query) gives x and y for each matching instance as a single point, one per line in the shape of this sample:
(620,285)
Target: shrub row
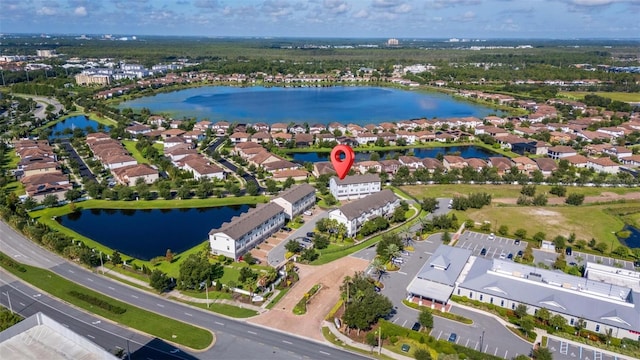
(446,315)
(97,302)
(9,262)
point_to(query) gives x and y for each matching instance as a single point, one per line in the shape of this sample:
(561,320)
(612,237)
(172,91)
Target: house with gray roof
(296,199)
(355,186)
(242,233)
(437,278)
(603,306)
(356,213)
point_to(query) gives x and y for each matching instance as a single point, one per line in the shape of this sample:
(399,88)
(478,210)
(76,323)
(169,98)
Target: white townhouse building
(296,200)
(242,233)
(356,213)
(354,187)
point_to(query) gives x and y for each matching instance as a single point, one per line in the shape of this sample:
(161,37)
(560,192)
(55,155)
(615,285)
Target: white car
(503,256)
(308,213)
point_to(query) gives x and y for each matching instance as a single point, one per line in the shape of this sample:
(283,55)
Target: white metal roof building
(507,284)
(437,278)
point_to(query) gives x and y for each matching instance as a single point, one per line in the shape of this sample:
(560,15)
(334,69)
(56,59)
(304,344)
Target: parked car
(311,234)
(306,239)
(453,337)
(510,256)
(520,253)
(416,327)
(569,250)
(517,242)
(308,213)
(483,252)
(377,289)
(405,348)
(503,256)
(286,228)
(492,236)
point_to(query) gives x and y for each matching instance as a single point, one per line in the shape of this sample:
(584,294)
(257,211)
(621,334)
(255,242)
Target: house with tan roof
(202,125)
(40,185)
(138,129)
(355,129)
(410,137)
(390,166)
(177,153)
(432,164)
(365,138)
(280,165)
(264,157)
(633,160)
(200,167)
(317,128)
(368,166)
(411,162)
(322,168)
(525,164)
(454,162)
(336,126)
(603,164)
(172,132)
(546,165)
(130,175)
(578,160)
(279,127)
(238,137)
(502,164)
(173,141)
(261,137)
(295,174)
(116,161)
(39,167)
(303,140)
(324,138)
(281,139)
(476,163)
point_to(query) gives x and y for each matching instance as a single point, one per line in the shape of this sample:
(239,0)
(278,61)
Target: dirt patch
(544,212)
(309,325)
(606,196)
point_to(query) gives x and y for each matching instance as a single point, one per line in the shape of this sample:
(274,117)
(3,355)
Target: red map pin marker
(342,166)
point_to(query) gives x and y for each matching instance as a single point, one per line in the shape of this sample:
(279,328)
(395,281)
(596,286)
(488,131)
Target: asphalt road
(235,339)
(233,168)
(84,168)
(276,255)
(26,301)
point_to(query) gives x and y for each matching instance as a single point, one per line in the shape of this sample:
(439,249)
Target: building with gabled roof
(355,186)
(354,214)
(437,278)
(296,199)
(236,237)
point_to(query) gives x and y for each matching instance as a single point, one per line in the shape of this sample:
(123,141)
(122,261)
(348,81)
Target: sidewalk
(346,340)
(178,295)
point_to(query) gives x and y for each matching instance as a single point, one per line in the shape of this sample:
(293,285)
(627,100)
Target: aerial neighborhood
(172,194)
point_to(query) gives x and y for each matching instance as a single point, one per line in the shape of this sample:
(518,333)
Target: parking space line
(495,352)
(439,335)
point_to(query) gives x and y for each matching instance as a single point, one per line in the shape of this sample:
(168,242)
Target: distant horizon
(406,19)
(264,37)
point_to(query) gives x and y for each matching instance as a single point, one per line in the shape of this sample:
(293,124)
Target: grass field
(587,221)
(134,317)
(620,96)
(499,191)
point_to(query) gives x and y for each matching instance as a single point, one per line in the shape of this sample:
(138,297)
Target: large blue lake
(358,105)
(422,153)
(65,127)
(145,234)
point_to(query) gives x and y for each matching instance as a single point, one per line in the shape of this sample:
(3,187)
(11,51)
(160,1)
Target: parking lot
(494,246)
(575,256)
(563,350)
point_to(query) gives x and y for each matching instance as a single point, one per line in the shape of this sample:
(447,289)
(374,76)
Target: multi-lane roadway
(234,339)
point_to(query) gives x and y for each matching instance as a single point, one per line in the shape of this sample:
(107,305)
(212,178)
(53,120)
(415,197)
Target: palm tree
(378,265)
(393,251)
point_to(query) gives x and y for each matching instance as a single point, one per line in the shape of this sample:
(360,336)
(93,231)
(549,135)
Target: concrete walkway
(346,340)
(178,295)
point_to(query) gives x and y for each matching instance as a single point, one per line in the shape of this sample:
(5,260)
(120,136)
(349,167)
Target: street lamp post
(481,341)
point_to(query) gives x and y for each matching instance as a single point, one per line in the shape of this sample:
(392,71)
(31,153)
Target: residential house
(303,140)
(546,165)
(336,126)
(476,164)
(295,174)
(390,166)
(561,151)
(40,185)
(364,167)
(317,128)
(354,214)
(432,164)
(454,162)
(603,164)
(354,187)
(296,200)
(525,164)
(138,129)
(116,161)
(172,133)
(129,175)
(365,138)
(261,137)
(325,138)
(174,141)
(322,168)
(238,137)
(279,127)
(578,160)
(200,167)
(280,165)
(633,160)
(502,164)
(411,162)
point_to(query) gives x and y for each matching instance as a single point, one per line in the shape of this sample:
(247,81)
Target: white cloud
(336,6)
(592,2)
(362,14)
(439,4)
(80,11)
(45,10)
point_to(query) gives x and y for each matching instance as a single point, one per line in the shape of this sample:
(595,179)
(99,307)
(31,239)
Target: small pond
(65,128)
(422,153)
(148,233)
(632,241)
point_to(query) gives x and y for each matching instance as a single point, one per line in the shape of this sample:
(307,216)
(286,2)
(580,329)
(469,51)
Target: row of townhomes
(236,237)
(113,156)
(354,214)
(39,170)
(606,298)
(354,187)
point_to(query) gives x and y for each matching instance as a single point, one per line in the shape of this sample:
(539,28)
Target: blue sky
(558,19)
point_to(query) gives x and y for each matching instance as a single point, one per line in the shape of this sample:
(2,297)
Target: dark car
(483,252)
(286,228)
(510,256)
(305,239)
(416,327)
(569,251)
(311,234)
(517,242)
(453,337)
(520,253)
(405,347)
(377,289)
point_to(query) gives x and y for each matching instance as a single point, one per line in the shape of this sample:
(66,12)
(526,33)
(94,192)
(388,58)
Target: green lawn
(499,191)
(587,221)
(280,295)
(130,145)
(224,309)
(10,161)
(620,96)
(134,317)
